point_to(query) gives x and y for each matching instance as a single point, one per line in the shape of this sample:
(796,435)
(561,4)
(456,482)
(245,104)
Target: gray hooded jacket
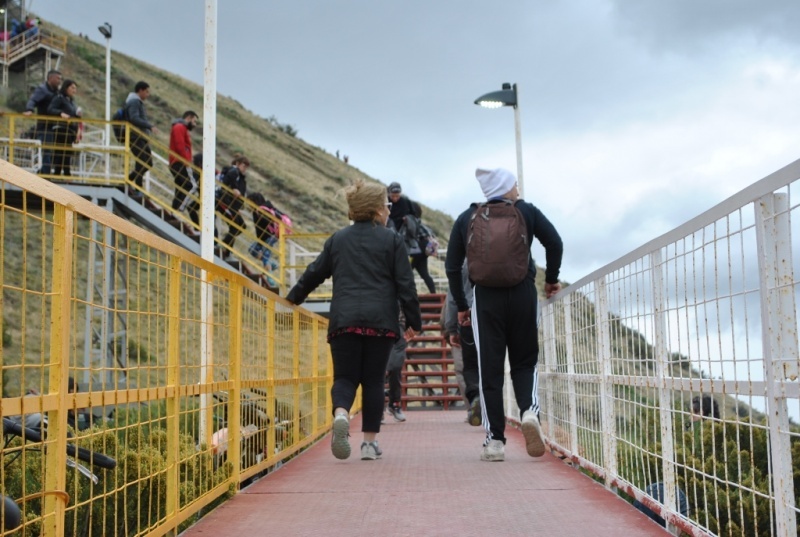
(136,114)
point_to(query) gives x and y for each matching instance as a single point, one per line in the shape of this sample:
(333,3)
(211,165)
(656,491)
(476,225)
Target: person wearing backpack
(419,257)
(136,114)
(495,237)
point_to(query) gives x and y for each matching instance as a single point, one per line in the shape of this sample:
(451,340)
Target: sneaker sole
(370,457)
(534,443)
(493,458)
(340,445)
(399,419)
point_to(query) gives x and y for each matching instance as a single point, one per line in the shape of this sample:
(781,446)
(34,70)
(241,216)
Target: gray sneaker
(532,431)
(397,413)
(340,445)
(370,451)
(474,412)
(494,451)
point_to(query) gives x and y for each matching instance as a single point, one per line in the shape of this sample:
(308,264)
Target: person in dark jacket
(465,355)
(65,133)
(419,259)
(372,281)
(136,114)
(230,199)
(505,318)
(39,103)
(400,205)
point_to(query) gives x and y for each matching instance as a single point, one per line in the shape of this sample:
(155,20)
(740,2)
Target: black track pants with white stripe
(505,318)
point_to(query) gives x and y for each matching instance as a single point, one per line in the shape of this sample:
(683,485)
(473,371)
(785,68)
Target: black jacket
(62,103)
(40,99)
(234,180)
(371,273)
(538,226)
(399,210)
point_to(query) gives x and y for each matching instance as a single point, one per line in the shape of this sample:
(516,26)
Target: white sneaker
(370,451)
(340,445)
(494,451)
(532,431)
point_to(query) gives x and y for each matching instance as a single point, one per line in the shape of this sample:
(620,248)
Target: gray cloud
(691,26)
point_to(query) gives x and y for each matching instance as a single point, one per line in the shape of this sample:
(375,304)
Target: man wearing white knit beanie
(504,317)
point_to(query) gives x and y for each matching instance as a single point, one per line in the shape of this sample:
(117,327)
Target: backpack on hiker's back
(119,130)
(428,243)
(498,252)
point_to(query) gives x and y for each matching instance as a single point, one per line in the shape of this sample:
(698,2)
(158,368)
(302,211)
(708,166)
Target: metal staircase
(33,51)
(429,376)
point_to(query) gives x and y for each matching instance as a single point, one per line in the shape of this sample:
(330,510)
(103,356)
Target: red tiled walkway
(430,482)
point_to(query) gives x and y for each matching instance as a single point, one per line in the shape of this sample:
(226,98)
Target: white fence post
(779,329)
(602,320)
(573,399)
(665,394)
(549,339)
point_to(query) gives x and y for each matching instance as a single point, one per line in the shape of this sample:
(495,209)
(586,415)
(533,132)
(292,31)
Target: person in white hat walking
(503,313)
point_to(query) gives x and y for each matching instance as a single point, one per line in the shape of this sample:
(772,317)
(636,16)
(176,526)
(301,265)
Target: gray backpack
(498,253)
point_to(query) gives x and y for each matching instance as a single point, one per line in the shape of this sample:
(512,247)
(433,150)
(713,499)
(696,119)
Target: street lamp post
(507,96)
(105,29)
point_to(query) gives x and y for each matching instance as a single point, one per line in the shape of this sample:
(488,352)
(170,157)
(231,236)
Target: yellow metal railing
(31,39)
(31,143)
(94,301)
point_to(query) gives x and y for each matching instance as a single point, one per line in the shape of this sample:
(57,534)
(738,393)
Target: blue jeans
(258,251)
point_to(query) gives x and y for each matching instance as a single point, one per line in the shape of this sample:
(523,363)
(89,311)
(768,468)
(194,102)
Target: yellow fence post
(282,276)
(296,375)
(56,455)
(315,375)
(235,397)
(11,139)
(126,156)
(271,375)
(173,382)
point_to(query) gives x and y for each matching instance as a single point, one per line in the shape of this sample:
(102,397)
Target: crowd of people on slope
(55,97)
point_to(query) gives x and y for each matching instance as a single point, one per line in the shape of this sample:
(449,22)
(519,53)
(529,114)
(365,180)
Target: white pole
(518,135)
(108,107)
(207,202)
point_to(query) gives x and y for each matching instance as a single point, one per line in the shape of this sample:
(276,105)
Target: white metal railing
(708,309)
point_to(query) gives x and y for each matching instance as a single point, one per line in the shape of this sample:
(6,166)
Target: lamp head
(505,97)
(105,29)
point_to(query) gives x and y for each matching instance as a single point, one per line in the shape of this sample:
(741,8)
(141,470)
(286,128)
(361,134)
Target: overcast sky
(636,114)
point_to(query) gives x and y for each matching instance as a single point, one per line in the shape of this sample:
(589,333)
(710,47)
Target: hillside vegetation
(298,177)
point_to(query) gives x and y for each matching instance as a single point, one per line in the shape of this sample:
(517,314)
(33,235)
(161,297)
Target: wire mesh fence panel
(672,373)
(183,379)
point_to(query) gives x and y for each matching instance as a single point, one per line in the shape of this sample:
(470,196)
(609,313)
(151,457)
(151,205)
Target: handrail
(31,39)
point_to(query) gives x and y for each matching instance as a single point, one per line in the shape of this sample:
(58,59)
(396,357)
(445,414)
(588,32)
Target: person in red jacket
(180,158)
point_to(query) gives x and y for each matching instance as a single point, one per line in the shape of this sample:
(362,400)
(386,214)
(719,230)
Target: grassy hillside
(298,177)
